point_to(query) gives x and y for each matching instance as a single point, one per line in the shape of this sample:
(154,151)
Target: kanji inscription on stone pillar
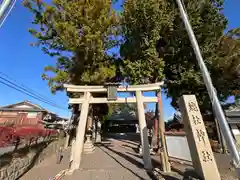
(199,145)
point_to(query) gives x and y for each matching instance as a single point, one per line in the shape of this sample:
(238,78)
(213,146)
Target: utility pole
(5,8)
(211,90)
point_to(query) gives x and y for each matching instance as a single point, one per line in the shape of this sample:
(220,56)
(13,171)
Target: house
(127,121)
(121,121)
(233,118)
(23,113)
(59,122)
(232,114)
(177,124)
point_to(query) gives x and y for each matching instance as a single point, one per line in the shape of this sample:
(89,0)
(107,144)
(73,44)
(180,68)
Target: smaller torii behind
(88,99)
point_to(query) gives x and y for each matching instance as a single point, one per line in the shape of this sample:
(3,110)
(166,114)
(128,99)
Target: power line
(24,89)
(28,89)
(29,93)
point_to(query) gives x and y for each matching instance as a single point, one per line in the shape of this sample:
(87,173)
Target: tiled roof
(22,109)
(233,108)
(28,103)
(233,113)
(125,115)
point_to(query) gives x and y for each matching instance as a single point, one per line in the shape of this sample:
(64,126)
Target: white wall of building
(32,114)
(235,129)
(23,106)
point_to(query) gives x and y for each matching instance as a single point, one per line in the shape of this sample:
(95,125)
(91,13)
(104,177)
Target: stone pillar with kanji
(199,145)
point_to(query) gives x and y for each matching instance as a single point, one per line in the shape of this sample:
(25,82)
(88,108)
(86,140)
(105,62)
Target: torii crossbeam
(87,99)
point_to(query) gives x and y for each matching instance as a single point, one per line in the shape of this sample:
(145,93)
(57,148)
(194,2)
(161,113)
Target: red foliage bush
(6,136)
(10,135)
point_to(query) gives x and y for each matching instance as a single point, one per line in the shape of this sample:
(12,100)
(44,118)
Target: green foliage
(156,25)
(141,23)
(78,34)
(181,68)
(154,45)
(226,66)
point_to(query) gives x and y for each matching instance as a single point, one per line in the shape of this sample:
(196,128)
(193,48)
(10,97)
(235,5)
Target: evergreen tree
(156,26)
(79,34)
(141,23)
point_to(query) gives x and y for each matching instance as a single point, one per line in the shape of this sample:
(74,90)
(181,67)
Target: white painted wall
(177,147)
(23,106)
(235,129)
(32,114)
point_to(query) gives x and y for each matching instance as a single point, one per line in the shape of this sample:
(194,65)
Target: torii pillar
(143,132)
(78,148)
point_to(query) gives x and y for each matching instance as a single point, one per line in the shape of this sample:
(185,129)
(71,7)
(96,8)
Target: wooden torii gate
(87,99)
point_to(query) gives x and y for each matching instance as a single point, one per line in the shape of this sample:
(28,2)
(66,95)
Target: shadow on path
(134,137)
(128,158)
(135,149)
(131,160)
(35,159)
(154,162)
(122,164)
(188,173)
(129,142)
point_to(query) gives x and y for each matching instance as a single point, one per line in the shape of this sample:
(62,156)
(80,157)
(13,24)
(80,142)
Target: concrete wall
(235,129)
(19,165)
(236,134)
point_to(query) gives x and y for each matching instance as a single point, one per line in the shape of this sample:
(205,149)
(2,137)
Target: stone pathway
(111,162)
(115,159)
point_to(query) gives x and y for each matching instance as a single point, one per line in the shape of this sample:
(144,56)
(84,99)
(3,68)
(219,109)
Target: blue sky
(25,63)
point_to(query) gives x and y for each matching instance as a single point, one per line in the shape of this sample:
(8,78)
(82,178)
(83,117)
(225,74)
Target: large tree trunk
(89,123)
(90,120)
(99,110)
(98,130)
(155,137)
(94,128)
(67,140)
(155,140)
